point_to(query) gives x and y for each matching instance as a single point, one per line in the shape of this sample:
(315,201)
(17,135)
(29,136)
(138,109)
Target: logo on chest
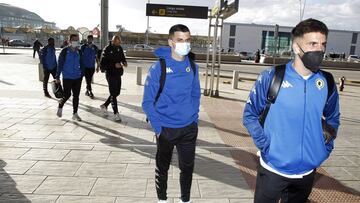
(319,83)
(169,70)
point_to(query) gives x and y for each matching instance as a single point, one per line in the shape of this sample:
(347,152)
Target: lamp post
(104,23)
(147,29)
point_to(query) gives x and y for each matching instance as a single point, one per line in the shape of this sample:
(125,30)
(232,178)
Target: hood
(163,52)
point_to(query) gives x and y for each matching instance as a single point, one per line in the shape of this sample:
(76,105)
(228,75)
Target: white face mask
(75,44)
(182,48)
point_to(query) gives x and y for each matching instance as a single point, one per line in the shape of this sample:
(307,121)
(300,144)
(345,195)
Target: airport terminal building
(251,37)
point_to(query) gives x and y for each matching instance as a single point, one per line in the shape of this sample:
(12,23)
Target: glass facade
(283,43)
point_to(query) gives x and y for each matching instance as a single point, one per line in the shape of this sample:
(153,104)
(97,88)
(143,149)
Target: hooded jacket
(179,102)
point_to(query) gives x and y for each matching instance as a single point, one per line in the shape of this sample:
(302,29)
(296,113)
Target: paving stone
(87,156)
(229,189)
(85,199)
(12,153)
(105,170)
(45,154)
(17,184)
(27,198)
(129,157)
(119,187)
(15,166)
(66,186)
(54,168)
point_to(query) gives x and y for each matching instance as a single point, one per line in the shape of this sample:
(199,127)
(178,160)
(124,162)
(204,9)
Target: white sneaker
(162,201)
(103,109)
(184,202)
(76,117)
(59,112)
(117,117)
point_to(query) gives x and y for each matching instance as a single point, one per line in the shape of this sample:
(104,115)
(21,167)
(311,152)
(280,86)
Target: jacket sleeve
(196,92)
(61,62)
(104,60)
(150,91)
(332,115)
(254,106)
(123,58)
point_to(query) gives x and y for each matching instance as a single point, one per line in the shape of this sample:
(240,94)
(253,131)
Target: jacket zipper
(302,135)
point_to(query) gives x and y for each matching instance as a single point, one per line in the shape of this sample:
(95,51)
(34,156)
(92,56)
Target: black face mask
(312,59)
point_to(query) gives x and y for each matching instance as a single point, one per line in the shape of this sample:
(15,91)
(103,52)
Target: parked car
(247,55)
(18,43)
(354,58)
(143,47)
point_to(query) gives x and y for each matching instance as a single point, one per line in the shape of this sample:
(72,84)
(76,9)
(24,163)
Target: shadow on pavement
(8,190)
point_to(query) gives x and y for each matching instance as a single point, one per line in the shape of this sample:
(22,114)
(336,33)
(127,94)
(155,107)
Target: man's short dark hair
(307,26)
(51,39)
(178,28)
(90,37)
(72,36)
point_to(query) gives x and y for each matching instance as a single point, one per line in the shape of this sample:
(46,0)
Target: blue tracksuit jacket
(178,104)
(291,141)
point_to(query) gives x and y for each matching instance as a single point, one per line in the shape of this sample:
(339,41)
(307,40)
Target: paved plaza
(46,159)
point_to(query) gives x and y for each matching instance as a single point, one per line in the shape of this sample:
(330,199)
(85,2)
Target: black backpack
(276,84)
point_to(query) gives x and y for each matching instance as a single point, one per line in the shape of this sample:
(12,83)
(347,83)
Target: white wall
(339,42)
(248,38)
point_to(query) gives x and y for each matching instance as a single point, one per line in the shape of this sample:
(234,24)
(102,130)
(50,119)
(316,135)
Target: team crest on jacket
(319,83)
(188,69)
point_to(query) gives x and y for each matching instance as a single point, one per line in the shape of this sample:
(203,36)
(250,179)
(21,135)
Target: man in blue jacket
(88,58)
(291,141)
(174,114)
(72,72)
(48,60)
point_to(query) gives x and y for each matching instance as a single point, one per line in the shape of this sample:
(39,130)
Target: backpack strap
(273,91)
(162,78)
(330,83)
(193,66)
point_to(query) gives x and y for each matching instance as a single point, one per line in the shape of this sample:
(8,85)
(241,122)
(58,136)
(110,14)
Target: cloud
(340,15)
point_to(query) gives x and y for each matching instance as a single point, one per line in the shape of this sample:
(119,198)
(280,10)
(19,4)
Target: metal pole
(219,60)
(147,29)
(206,90)
(104,23)
(212,93)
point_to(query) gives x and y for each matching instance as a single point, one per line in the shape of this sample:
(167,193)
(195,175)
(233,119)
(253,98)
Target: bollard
(138,75)
(41,72)
(235,79)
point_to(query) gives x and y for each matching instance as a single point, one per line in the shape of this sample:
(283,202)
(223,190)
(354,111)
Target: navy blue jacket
(88,55)
(69,64)
(292,141)
(48,57)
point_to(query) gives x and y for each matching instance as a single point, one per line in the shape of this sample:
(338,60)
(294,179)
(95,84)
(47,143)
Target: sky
(339,15)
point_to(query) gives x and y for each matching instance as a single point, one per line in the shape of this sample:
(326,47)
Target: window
(231,43)
(232,30)
(352,50)
(354,38)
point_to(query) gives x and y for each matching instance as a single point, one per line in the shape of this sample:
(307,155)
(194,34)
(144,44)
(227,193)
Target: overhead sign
(165,10)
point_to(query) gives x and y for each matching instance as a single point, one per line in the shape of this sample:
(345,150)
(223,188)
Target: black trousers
(46,77)
(38,52)
(271,187)
(89,73)
(185,141)
(73,86)
(114,82)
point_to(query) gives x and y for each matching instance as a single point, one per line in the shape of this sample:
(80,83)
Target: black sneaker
(87,93)
(46,94)
(91,95)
